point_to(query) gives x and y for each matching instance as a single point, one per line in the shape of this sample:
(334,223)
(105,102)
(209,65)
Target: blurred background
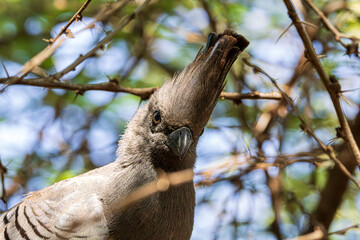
(259,176)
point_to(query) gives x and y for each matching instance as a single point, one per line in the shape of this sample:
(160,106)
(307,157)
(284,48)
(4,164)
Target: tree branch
(304,125)
(77,16)
(49,50)
(333,193)
(104,41)
(333,87)
(113,86)
(350,48)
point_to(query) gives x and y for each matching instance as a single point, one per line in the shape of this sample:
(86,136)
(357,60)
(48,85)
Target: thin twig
(77,16)
(48,51)
(337,34)
(32,63)
(318,234)
(144,93)
(304,125)
(104,41)
(221,172)
(253,95)
(283,32)
(7,74)
(345,230)
(333,88)
(111,86)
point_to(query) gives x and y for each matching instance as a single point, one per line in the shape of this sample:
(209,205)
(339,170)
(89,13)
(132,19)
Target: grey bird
(163,134)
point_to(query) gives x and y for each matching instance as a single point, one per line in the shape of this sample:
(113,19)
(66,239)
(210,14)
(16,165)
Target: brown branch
(333,193)
(332,87)
(318,234)
(351,48)
(236,97)
(345,230)
(110,86)
(77,16)
(304,125)
(32,63)
(113,86)
(104,41)
(275,187)
(221,173)
(48,51)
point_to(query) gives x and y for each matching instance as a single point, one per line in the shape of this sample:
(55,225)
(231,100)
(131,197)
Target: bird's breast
(167,215)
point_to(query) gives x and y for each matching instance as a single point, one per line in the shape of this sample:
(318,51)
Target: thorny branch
(49,50)
(144,93)
(113,86)
(304,125)
(104,41)
(220,173)
(352,48)
(77,16)
(166,180)
(333,87)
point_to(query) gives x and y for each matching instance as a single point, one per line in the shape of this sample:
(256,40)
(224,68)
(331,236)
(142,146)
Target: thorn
(7,74)
(332,140)
(345,99)
(352,48)
(113,80)
(79,92)
(78,18)
(304,128)
(309,24)
(335,85)
(339,133)
(283,32)
(69,34)
(50,40)
(350,90)
(138,107)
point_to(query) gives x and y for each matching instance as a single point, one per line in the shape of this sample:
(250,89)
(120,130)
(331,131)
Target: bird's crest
(192,94)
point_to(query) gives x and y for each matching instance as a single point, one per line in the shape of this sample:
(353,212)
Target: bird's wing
(66,210)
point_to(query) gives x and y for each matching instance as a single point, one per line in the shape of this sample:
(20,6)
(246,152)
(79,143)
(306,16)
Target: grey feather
(87,206)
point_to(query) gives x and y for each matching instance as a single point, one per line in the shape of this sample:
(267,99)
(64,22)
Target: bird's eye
(156,118)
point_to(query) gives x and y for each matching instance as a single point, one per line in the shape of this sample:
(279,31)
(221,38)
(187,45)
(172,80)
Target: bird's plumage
(162,135)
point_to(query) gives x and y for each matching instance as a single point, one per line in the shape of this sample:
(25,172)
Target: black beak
(179,141)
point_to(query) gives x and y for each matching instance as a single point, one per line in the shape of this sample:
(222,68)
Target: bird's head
(175,116)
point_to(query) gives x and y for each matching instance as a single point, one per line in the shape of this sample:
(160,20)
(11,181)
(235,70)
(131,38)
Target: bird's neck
(134,150)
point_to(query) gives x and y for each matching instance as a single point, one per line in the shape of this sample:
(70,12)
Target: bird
(161,137)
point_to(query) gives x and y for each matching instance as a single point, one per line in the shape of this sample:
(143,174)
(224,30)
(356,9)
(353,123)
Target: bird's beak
(179,141)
